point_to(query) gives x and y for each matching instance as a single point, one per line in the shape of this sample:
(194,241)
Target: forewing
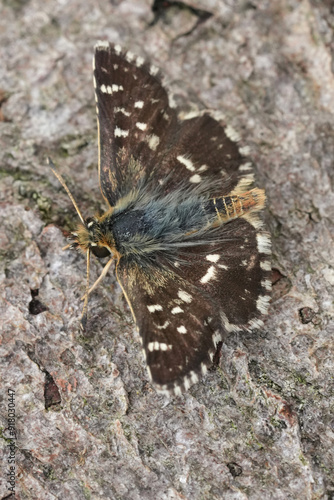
(134,117)
(136,122)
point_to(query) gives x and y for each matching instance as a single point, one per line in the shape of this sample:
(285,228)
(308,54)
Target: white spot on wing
(121,133)
(245,166)
(243,184)
(266,284)
(216,337)
(116,88)
(165,347)
(186,162)
(177,390)
(195,179)
(232,134)
(129,56)
(186,383)
(181,329)
(162,327)
(263,243)
(177,310)
(262,303)
(139,61)
(102,45)
(153,141)
(213,257)
(158,346)
(117,49)
(193,377)
(265,265)
(141,126)
(210,274)
(122,110)
(139,104)
(153,70)
(155,307)
(229,327)
(253,220)
(244,151)
(189,114)
(186,297)
(256,323)
(203,168)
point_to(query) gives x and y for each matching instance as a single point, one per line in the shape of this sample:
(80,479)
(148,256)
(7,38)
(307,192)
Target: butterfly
(183,221)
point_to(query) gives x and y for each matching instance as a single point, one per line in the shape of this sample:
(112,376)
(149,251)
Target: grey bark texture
(88,423)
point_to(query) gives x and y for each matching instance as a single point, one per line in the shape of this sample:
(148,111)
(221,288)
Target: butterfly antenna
(100,278)
(83,321)
(63,183)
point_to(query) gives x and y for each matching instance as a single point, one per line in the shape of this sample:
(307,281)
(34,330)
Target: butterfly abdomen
(231,207)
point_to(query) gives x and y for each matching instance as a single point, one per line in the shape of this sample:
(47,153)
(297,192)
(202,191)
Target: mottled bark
(88,423)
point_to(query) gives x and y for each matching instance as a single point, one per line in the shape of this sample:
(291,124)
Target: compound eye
(100,252)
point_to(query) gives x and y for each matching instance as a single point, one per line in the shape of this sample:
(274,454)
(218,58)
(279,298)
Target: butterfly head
(93,235)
